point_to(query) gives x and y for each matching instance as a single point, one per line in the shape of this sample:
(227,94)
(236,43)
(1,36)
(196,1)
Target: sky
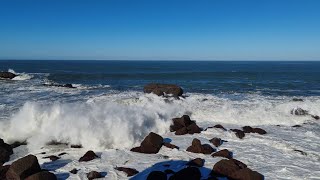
(160,29)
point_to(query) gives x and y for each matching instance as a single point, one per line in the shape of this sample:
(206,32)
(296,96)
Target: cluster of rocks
(163,89)
(184,125)
(241,133)
(302,112)
(27,168)
(7,75)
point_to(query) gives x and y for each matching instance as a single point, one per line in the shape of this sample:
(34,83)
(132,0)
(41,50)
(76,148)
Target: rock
(246,174)
(240,134)
(181,131)
(93,175)
(196,147)
(129,171)
(193,128)
(259,131)
(187,173)
(172,146)
(56,143)
(7,75)
(223,153)
(296,126)
(219,126)
(299,112)
(63,153)
(198,162)
(239,163)
(5,152)
(216,141)
(17,144)
(24,167)
(52,157)
(297,99)
(303,153)
(315,117)
(88,156)
(157,175)
(160,89)
(76,146)
(150,145)
(3,171)
(225,167)
(60,85)
(179,123)
(43,175)
(74,171)
(247,129)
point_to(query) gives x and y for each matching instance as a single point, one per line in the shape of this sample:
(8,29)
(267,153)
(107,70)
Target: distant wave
(20,76)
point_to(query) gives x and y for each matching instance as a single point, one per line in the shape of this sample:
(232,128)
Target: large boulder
(24,167)
(161,89)
(88,156)
(187,173)
(246,174)
(5,152)
(225,167)
(197,147)
(184,125)
(7,75)
(150,145)
(3,171)
(43,175)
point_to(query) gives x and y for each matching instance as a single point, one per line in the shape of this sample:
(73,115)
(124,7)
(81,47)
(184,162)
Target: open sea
(108,109)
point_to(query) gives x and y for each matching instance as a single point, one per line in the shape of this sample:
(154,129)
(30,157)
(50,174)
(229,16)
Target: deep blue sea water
(211,77)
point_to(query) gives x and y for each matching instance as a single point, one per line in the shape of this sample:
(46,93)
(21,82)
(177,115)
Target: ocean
(108,110)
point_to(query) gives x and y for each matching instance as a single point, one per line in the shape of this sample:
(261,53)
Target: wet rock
(193,128)
(225,167)
(150,145)
(157,175)
(296,126)
(297,99)
(223,153)
(181,131)
(299,112)
(247,129)
(198,162)
(303,153)
(187,173)
(43,175)
(24,167)
(5,152)
(93,175)
(17,144)
(216,141)
(3,171)
(240,134)
(160,89)
(56,143)
(88,156)
(76,146)
(60,85)
(129,171)
(219,127)
(315,117)
(7,75)
(63,153)
(74,171)
(172,146)
(184,125)
(52,157)
(246,174)
(259,131)
(197,147)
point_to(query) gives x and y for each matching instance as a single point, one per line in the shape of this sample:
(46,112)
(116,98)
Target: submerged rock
(160,89)
(150,145)
(74,171)
(240,134)
(60,85)
(93,175)
(223,153)
(52,157)
(7,75)
(299,112)
(24,167)
(197,147)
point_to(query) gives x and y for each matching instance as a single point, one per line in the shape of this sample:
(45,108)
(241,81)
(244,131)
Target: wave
(122,119)
(20,76)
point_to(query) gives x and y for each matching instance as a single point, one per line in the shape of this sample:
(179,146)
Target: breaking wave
(20,76)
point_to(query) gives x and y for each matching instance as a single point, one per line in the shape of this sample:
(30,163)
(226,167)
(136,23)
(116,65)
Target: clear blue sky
(160,29)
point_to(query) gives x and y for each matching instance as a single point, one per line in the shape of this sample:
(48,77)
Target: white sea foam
(20,76)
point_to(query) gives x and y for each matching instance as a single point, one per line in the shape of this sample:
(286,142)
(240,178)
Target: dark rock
(172,146)
(315,117)
(7,75)
(93,175)
(181,131)
(129,171)
(223,153)
(225,167)
(216,141)
(63,153)
(74,171)
(239,163)
(296,126)
(297,99)
(219,126)
(60,85)
(240,134)
(52,157)
(247,129)
(150,145)
(23,167)
(259,131)
(88,156)
(76,146)
(303,153)
(299,112)
(56,143)
(191,173)
(193,128)
(5,152)
(68,86)
(17,144)
(197,147)
(160,89)
(246,174)
(3,171)
(179,123)
(43,175)
(198,162)
(157,175)
(169,171)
